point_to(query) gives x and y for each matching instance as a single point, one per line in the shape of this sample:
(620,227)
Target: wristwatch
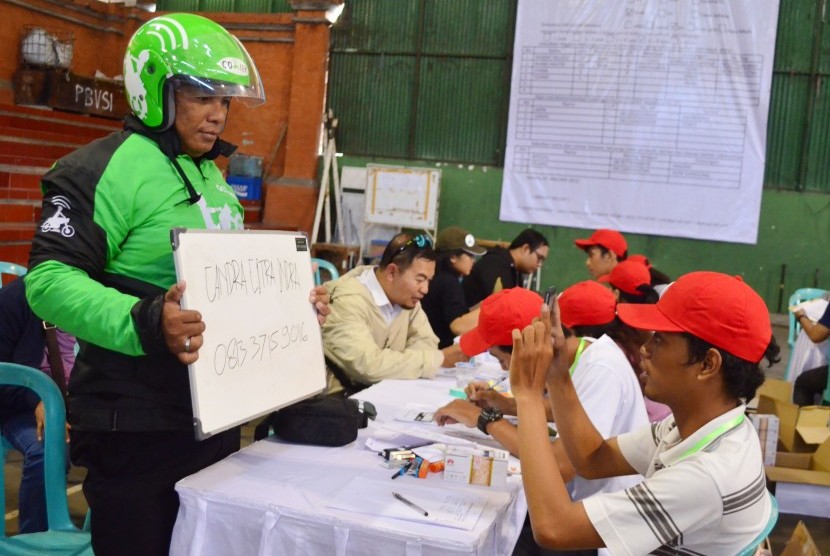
(488,415)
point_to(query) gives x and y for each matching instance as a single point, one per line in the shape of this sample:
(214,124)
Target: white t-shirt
(610,393)
(702,495)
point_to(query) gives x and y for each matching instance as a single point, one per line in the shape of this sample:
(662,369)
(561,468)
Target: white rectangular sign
(262,344)
(645,116)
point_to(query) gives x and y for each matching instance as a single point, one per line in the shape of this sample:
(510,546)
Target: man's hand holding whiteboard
(261,348)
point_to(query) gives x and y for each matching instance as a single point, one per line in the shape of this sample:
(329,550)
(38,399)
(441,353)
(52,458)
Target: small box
(767,427)
(247,188)
(801,429)
(476,466)
(802,481)
(245,165)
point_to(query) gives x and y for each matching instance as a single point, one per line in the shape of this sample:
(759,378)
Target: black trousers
(808,384)
(130,484)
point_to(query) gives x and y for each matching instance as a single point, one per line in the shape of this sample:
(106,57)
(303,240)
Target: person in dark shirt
(444,304)
(22,341)
(812,382)
(501,268)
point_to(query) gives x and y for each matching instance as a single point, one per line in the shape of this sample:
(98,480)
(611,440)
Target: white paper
(414,413)
(644,116)
(459,509)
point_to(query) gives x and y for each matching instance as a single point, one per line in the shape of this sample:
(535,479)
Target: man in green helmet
(101,266)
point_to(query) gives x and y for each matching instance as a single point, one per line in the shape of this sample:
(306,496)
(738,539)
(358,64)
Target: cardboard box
(801,543)
(802,481)
(800,429)
(476,466)
(767,427)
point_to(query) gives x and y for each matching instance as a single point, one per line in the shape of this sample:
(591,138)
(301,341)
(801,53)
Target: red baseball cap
(642,259)
(717,308)
(610,239)
(586,304)
(629,275)
(500,314)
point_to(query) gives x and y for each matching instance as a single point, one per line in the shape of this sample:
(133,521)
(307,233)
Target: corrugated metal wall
(448,101)
(460,55)
(238,6)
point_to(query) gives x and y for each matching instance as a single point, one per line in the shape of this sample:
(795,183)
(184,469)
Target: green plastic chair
(10,268)
(800,295)
(322,264)
(773,519)
(62,538)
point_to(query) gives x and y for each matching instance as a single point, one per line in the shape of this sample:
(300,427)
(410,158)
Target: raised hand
(532,356)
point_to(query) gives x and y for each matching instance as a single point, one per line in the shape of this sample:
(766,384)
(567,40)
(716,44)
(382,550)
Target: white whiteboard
(263,348)
(403,197)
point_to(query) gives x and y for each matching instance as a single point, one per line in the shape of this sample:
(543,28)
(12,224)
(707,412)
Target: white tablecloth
(270,498)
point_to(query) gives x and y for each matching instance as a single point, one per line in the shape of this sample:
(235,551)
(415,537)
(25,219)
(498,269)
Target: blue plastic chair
(773,519)
(323,264)
(825,398)
(10,268)
(800,295)
(62,538)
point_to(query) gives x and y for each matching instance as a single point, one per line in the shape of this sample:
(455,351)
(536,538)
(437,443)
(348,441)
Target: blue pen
(402,471)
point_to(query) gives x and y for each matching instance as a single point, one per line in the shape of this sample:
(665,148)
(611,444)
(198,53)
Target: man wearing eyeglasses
(502,269)
(376,328)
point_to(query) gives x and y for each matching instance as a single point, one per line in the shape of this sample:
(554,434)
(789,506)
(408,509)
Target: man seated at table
(704,488)
(376,328)
(502,269)
(605,248)
(605,383)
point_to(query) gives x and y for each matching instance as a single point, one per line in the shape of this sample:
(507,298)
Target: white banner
(645,116)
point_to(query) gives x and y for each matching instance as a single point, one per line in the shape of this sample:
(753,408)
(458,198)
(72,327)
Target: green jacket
(102,260)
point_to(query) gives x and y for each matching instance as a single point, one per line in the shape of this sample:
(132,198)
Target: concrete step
(23,117)
(22,146)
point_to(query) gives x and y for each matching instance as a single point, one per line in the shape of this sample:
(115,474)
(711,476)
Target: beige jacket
(357,339)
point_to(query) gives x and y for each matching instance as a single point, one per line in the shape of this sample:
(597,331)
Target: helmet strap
(194,196)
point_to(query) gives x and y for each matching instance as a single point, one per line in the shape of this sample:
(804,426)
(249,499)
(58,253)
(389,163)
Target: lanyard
(579,350)
(706,440)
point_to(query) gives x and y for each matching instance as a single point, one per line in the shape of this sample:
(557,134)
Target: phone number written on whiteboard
(236,352)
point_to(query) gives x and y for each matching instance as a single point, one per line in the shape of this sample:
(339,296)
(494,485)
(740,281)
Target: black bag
(322,421)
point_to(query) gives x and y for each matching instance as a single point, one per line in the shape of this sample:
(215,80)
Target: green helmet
(185,50)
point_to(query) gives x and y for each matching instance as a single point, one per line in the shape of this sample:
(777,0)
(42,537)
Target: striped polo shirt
(702,495)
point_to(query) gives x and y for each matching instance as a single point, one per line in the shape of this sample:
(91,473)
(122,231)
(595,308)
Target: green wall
(794,231)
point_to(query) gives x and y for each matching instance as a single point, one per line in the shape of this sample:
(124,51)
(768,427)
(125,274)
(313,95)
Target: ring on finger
(187,345)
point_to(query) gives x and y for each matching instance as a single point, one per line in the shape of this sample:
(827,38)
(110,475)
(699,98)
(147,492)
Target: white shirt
(389,310)
(702,495)
(610,393)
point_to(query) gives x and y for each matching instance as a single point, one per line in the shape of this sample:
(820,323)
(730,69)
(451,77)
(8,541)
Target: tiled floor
(819,528)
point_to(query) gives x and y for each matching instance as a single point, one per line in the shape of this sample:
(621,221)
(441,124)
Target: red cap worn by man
(587,303)
(630,277)
(500,314)
(605,248)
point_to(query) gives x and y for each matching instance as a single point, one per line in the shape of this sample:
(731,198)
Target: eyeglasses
(420,241)
(539,256)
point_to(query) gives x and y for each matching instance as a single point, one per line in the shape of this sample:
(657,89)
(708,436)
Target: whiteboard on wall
(403,197)
(643,116)
(262,345)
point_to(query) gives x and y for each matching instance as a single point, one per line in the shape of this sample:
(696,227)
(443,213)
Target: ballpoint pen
(494,383)
(404,468)
(412,505)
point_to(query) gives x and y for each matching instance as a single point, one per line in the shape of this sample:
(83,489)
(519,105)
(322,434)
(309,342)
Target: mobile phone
(550,296)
